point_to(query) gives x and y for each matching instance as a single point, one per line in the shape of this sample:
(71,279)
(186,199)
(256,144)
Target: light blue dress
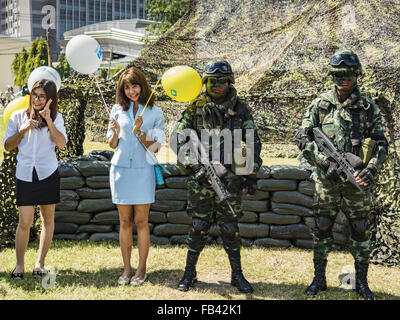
(132,177)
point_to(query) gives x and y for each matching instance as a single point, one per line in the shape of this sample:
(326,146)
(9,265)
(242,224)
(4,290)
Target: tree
(18,67)
(166,12)
(63,67)
(27,61)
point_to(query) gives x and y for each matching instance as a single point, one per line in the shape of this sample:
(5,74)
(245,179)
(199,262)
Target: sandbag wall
(278,215)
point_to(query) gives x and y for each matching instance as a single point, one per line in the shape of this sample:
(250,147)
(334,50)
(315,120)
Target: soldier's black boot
(361,281)
(238,280)
(319,281)
(190,276)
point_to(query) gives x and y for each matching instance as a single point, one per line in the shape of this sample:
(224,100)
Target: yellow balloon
(182,83)
(16,104)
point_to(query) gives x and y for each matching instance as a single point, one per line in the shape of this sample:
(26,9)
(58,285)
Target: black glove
(330,168)
(199,173)
(302,137)
(250,183)
(367,175)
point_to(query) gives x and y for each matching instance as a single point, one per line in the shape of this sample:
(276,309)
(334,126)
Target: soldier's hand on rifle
(366,176)
(199,173)
(250,184)
(331,169)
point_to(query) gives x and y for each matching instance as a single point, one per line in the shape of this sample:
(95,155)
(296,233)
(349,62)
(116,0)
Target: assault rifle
(326,146)
(210,172)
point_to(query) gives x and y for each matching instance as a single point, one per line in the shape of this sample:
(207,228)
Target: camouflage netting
(280,51)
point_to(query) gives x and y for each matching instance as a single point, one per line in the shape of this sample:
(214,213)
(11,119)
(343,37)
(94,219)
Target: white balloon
(44,72)
(84,54)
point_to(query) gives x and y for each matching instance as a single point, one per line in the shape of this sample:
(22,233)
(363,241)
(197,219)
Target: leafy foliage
(63,67)
(27,61)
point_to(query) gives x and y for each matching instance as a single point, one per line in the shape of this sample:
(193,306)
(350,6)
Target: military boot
(361,281)
(238,280)
(319,281)
(190,276)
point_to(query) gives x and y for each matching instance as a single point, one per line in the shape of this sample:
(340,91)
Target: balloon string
(30,129)
(155,87)
(105,105)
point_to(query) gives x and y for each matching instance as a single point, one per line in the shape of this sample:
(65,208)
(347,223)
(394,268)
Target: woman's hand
(138,124)
(45,113)
(29,124)
(114,125)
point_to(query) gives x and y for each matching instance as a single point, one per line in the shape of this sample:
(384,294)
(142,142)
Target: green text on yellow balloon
(182,83)
(16,104)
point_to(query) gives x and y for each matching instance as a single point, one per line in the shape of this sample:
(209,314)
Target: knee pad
(230,231)
(359,229)
(200,227)
(323,226)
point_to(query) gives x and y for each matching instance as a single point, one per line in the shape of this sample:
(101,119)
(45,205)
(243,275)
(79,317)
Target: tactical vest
(362,119)
(231,122)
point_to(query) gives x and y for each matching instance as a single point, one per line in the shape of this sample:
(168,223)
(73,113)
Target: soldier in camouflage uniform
(350,119)
(218,108)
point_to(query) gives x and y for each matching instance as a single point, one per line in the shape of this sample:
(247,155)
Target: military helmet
(345,60)
(218,68)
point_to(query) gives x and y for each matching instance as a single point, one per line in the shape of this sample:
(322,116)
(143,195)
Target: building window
(134,9)
(109,10)
(82,10)
(97,12)
(117,10)
(141,9)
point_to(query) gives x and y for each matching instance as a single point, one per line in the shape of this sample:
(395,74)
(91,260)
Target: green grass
(89,270)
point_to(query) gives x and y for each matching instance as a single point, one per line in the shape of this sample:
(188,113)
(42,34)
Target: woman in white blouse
(36,131)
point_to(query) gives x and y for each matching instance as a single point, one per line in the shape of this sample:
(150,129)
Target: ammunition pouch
(367,148)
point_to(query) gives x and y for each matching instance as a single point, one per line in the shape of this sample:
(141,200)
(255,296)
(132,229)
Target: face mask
(217,87)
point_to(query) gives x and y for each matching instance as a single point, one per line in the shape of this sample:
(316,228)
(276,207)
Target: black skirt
(46,191)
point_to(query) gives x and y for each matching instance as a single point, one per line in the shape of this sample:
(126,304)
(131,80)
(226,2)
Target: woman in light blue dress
(132,177)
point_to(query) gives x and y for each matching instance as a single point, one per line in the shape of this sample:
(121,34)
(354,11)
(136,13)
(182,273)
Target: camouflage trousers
(329,199)
(204,204)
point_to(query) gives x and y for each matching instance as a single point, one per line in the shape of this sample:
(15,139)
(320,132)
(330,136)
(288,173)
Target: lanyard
(129,116)
(152,155)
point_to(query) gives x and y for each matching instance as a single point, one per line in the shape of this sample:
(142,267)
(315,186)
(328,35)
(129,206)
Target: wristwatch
(141,134)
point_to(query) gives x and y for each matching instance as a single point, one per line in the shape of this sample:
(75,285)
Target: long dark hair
(133,76)
(51,93)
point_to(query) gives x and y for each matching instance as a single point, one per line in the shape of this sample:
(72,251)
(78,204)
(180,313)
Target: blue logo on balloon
(174,93)
(99,52)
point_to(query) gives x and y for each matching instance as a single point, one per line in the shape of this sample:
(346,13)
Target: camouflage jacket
(226,118)
(336,120)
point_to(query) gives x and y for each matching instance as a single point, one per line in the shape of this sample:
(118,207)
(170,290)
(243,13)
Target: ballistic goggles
(218,66)
(348,59)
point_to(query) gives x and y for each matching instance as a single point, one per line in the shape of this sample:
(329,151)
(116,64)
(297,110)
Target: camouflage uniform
(339,121)
(203,203)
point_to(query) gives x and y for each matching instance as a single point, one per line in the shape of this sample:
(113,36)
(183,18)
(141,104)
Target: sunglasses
(348,59)
(217,80)
(343,75)
(218,66)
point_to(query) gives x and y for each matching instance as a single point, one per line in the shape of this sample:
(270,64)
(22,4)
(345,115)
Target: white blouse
(39,152)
